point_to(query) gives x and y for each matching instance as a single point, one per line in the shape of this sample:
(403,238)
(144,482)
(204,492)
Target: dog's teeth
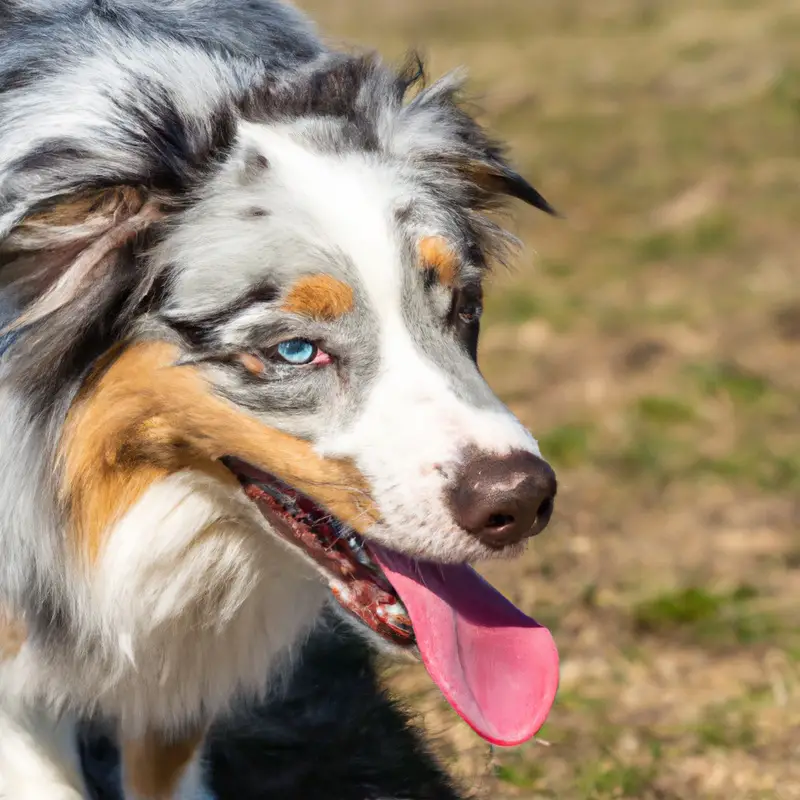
(341,591)
(395,613)
(359,551)
(356,544)
(364,560)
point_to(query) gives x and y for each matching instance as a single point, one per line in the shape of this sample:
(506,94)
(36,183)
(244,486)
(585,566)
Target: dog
(241,275)
(332,732)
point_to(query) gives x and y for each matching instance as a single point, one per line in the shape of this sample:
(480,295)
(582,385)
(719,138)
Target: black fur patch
(183,149)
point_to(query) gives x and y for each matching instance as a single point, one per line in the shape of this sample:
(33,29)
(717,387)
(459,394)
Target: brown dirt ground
(652,343)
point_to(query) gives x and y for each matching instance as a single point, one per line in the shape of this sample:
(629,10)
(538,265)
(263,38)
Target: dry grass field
(652,342)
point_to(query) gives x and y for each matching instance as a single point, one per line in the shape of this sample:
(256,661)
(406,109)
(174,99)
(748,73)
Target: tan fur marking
(436,254)
(78,217)
(321,297)
(251,363)
(107,203)
(153,766)
(112,221)
(142,418)
(13,633)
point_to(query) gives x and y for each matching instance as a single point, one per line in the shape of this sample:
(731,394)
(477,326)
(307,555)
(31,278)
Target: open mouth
(496,666)
(355,579)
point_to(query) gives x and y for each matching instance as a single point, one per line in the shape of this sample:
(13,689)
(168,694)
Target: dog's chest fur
(191,604)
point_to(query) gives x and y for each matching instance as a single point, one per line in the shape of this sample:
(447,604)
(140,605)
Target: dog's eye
(470,313)
(298,351)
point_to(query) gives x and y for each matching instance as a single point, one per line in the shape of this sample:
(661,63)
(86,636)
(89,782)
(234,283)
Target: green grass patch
(720,728)
(707,617)
(712,234)
(514,306)
(698,51)
(567,445)
(676,609)
(522,774)
(755,465)
(652,453)
(664,410)
(786,91)
(726,378)
(556,268)
(659,246)
(604,779)
(573,700)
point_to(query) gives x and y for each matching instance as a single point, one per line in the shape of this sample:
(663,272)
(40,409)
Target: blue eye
(297,351)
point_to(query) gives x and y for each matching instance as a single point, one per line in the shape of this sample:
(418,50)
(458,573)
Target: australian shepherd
(240,282)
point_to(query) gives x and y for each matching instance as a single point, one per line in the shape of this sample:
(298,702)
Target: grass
(664,410)
(566,445)
(707,618)
(611,779)
(523,775)
(730,380)
(713,234)
(650,342)
(724,728)
(515,306)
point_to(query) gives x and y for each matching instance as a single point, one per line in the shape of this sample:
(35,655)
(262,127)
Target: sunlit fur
(183,185)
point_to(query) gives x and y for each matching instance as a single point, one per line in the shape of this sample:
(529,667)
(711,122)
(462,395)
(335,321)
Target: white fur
(198,599)
(38,755)
(193,602)
(193,784)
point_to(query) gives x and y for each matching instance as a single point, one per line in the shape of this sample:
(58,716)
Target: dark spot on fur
(255,211)
(254,165)
(404,214)
(430,278)
(19,78)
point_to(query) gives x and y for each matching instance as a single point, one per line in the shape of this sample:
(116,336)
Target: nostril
(545,510)
(497,521)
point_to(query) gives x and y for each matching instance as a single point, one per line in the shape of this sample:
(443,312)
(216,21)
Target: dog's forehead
(283,208)
(346,200)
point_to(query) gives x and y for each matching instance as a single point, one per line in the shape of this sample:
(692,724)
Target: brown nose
(504,499)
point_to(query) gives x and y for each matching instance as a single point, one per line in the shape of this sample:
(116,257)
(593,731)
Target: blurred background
(652,344)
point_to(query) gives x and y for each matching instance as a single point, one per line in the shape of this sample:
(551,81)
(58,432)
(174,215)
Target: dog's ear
(56,252)
(442,131)
(495,176)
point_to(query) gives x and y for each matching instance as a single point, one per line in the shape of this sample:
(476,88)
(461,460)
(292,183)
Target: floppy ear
(444,132)
(496,177)
(54,254)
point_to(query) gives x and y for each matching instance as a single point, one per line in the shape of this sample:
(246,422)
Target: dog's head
(283,291)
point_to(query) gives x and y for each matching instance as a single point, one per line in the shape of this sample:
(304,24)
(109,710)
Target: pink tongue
(497,667)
